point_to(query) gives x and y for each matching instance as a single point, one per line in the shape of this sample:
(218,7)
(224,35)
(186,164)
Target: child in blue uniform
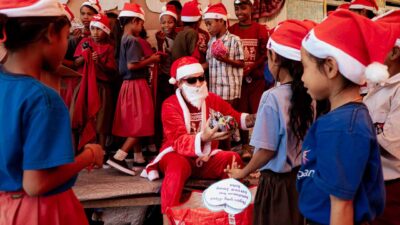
(38,167)
(340,180)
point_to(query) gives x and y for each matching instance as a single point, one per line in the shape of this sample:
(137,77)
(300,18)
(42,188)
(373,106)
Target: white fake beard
(195,95)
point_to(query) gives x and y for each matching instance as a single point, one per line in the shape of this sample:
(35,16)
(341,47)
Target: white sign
(229,195)
(156,6)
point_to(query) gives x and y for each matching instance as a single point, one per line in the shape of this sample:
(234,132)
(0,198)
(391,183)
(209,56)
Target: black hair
(176,3)
(190,24)
(370,14)
(23,31)
(118,31)
(323,106)
(111,15)
(301,111)
(143,34)
(89,7)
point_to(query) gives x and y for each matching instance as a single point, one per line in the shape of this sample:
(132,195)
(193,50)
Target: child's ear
(51,35)
(331,68)
(394,53)
(274,58)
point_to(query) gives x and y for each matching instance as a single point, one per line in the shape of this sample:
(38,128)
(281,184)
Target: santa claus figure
(190,145)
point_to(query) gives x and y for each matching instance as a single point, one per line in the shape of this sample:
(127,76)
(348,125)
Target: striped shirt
(226,80)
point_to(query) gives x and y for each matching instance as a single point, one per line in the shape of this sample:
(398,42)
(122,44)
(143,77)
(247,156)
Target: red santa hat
(101,21)
(31,8)
(184,67)
(132,10)
(364,4)
(94,4)
(68,12)
(216,11)
(169,10)
(392,17)
(191,12)
(287,36)
(358,45)
(343,6)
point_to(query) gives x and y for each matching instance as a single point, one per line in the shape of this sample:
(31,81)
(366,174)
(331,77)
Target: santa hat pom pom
(172,80)
(164,9)
(376,72)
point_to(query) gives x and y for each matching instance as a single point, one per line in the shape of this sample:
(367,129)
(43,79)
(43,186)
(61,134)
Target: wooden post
(212,2)
(381,4)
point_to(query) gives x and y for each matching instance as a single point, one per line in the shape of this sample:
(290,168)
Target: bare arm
(79,61)
(234,63)
(38,182)
(259,159)
(342,211)
(141,64)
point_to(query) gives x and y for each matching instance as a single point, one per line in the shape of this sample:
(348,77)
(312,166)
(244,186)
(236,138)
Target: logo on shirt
(305,173)
(304,159)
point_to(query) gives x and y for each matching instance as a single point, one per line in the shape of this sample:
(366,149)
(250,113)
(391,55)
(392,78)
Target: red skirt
(17,208)
(134,114)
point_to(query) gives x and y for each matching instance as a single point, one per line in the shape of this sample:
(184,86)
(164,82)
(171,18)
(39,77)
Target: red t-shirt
(254,39)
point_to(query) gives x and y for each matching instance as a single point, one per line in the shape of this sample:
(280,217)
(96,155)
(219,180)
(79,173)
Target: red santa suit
(183,125)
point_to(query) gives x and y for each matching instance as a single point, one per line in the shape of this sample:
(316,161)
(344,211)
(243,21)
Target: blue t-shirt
(35,130)
(271,130)
(131,52)
(340,157)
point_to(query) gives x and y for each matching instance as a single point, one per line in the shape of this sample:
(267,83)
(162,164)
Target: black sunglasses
(193,80)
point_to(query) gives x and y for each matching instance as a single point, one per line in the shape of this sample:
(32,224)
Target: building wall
(305,9)
(293,9)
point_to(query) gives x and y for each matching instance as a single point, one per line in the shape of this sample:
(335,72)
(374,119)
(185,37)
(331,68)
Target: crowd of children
(335,163)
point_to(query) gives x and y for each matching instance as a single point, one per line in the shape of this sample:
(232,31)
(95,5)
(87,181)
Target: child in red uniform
(87,11)
(134,112)
(93,111)
(165,40)
(254,37)
(38,166)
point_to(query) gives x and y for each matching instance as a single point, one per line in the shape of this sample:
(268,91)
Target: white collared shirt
(383,102)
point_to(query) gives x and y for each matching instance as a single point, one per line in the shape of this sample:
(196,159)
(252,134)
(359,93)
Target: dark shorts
(276,201)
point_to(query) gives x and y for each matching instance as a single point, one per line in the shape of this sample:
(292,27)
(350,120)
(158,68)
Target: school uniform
(340,157)
(383,103)
(94,104)
(134,113)
(36,135)
(276,199)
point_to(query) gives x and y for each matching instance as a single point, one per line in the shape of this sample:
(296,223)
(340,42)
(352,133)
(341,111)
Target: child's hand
(201,160)
(213,134)
(234,170)
(155,58)
(246,70)
(77,33)
(79,61)
(250,120)
(202,47)
(160,37)
(95,56)
(223,58)
(97,154)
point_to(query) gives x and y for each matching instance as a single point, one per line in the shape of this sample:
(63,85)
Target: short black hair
(175,3)
(89,7)
(23,31)
(190,24)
